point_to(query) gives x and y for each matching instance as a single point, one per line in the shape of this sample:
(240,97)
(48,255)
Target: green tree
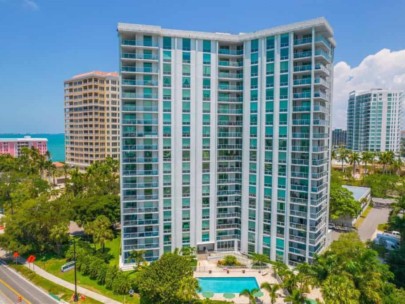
(59,235)
(340,289)
(342,155)
(354,159)
(295,297)
(188,288)
(367,157)
(272,290)
(386,158)
(250,294)
(137,256)
(260,259)
(342,202)
(101,231)
(166,274)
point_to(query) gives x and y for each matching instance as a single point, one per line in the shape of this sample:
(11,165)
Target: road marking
(5,296)
(15,291)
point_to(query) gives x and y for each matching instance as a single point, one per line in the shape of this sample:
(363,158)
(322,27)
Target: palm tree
(367,157)
(397,165)
(137,256)
(280,269)
(354,158)
(334,154)
(188,288)
(342,156)
(260,259)
(101,231)
(386,159)
(295,297)
(272,290)
(250,294)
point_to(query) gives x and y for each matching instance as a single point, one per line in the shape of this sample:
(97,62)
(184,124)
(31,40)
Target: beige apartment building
(92,119)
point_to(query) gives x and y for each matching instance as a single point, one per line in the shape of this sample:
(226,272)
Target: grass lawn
(53,265)
(363,216)
(382,227)
(49,286)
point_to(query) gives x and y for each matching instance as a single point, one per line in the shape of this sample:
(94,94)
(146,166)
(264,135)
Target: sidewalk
(82,291)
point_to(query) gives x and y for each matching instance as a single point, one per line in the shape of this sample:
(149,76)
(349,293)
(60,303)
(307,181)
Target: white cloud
(30,5)
(385,69)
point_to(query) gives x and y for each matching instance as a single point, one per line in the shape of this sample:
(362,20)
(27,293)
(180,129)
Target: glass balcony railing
(139,56)
(145,43)
(133,69)
(230,63)
(302,54)
(230,75)
(230,52)
(139,95)
(132,82)
(302,41)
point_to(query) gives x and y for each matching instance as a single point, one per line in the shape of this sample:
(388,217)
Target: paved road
(12,285)
(374,218)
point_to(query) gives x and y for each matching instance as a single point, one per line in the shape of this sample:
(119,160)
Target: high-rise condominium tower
(225,140)
(374,120)
(91,118)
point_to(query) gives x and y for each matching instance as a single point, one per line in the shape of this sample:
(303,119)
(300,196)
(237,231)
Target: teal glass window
(270,43)
(270,68)
(270,56)
(167,119)
(186,57)
(186,69)
(167,81)
(269,94)
(186,82)
(253,83)
(284,40)
(283,93)
(206,58)
(253,95)
(206,70)
(283,105)
(269,119)
(186,44)
(284,54)
(284,67)
(284,80)
(186,107)
(186,119)
(254,70)
(186,94)
(206,107)
(253,107)
(269,106)
(167,68)
(269,131)
(206,46)
(206,95)
(167,94)
(167,43)
(254,58)
(206,83)
(254,45)
(167,55)
(167,106)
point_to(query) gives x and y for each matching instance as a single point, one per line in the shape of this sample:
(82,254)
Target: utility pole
(75,297)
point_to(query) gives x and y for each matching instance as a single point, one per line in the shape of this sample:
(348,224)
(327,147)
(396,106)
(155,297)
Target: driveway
(377,215)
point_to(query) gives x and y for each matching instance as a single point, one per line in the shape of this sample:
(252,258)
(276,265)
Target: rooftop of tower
(319,23)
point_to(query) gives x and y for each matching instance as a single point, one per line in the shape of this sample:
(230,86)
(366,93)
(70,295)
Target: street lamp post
(75,296)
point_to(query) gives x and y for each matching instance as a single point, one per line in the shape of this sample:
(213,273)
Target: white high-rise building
(225,140)
(374,120)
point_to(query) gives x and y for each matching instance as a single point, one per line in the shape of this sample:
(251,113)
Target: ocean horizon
(56,142)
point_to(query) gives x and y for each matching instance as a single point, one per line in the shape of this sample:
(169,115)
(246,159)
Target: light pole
(75,296)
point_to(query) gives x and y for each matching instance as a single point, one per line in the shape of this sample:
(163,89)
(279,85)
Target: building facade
(339,138)
(92,122)
(13,146)
(374,120)
(225,140)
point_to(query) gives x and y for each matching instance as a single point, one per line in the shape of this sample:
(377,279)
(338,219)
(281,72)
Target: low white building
(360,194)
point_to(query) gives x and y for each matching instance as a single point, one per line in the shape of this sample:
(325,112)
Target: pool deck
(261,276)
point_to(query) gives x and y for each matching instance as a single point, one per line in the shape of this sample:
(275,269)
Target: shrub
(101,275)
(229,260)
(121,283)
(110,276)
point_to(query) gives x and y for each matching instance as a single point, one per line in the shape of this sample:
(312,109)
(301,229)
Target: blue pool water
(223,285)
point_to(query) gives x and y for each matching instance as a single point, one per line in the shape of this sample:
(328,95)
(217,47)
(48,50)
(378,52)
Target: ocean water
(56,143)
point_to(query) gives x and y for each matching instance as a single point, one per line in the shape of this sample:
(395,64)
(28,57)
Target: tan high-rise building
(92,119)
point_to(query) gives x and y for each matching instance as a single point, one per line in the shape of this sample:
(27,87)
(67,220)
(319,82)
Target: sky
(44,42)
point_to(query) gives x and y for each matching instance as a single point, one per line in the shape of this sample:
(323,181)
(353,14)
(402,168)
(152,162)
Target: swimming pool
(225,284)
